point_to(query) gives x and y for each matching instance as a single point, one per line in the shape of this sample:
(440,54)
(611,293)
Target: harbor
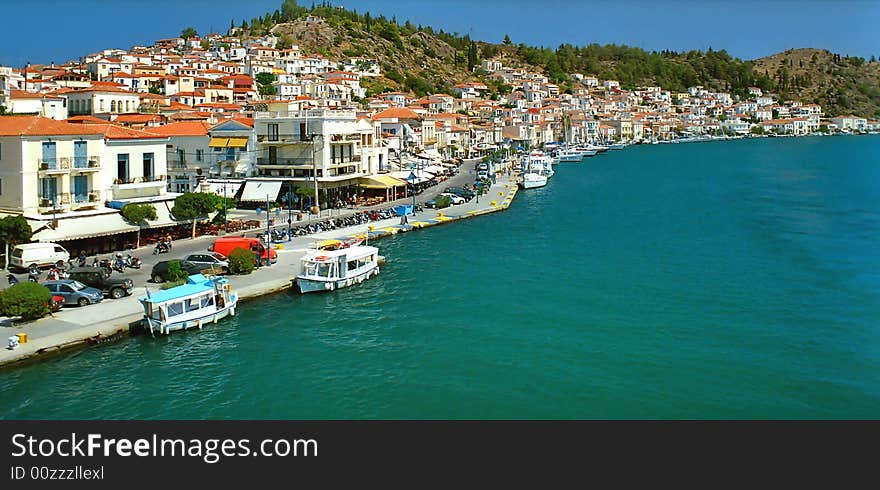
(729,280)
(76,328)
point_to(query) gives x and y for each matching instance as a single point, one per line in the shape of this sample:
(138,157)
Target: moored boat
(328,270)
(201,300)
(530,180)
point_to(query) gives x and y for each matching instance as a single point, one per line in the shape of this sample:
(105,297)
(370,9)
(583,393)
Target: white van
(39,254)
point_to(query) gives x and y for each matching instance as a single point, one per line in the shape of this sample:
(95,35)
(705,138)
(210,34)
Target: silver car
(209,260)
(74,292)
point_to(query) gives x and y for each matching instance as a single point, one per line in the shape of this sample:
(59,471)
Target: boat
(201,300)
(540,163)
(328,270)
(569,155)
(530,180)
(586,151)
(616,146)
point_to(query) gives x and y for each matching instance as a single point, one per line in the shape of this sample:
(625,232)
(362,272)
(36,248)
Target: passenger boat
(569,155)
(586,151)
(530,180)
(328,270)
(199,301)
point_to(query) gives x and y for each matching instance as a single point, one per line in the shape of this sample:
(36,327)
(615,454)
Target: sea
(719,280)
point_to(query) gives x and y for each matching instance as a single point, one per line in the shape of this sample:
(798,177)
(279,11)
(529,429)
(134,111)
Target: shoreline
(129,324)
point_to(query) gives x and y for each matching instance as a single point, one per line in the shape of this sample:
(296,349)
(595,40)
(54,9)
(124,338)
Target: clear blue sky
(60,30)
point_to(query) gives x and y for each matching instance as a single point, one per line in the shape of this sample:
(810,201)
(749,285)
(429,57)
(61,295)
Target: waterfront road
(72,325)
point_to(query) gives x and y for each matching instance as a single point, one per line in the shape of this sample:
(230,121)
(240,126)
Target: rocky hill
(423,60)
(840,84)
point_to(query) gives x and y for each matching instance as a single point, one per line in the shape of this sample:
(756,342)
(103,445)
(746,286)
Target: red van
(225,245)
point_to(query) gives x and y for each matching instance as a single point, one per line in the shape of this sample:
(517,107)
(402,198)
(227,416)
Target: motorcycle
(118,264)
(161,248)
(12,280)
(133,262)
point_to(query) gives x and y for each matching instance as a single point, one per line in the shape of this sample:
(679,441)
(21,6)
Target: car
(159,273)
(209,260)
(101,278)
(74,292)
(460,191)
(454,198)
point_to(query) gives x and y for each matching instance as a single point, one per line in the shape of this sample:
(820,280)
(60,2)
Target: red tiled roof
(38,126)
(183,128)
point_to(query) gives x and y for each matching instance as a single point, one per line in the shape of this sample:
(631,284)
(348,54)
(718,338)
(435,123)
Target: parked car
(101,278)
(35,255)
(432,203)
(160,270)
(454,198)
(460,191)
(209,260)
(74,292)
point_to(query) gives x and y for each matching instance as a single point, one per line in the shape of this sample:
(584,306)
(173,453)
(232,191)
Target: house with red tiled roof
(68,170)
(102,100)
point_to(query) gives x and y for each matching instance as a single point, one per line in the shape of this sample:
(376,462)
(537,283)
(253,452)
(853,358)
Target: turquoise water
(715,280)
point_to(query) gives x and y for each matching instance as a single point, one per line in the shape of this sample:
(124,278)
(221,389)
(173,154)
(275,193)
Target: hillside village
(245,117)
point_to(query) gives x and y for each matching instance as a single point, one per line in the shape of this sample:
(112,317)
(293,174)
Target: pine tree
(507,41)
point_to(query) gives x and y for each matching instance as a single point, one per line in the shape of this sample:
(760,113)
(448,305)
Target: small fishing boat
(328,270)
(202,299)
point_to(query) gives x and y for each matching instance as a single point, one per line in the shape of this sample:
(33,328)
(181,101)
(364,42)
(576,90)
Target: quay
(111,320)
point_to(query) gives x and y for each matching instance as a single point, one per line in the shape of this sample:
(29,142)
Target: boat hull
(532,183)
(312,285)
(165,328)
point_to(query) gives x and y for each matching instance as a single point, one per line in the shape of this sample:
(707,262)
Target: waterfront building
(316,148)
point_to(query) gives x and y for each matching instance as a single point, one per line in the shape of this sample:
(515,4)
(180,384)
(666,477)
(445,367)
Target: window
(1,187)
(175,309)
(48,188)
(273,132)
(303,134)
(200,154)
(192,304)
(207,301)
(122,167)
(112,106)
(59,250)
(148,166)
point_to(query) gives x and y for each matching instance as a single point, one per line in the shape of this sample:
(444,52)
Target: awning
(219,142)
(237,142)
(258,190)
(85,227)
(380,182)
(163,215)
(231,187)
(421,176)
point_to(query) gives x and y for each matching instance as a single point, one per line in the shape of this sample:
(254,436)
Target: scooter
(161,248)
(12,280)
(133,262)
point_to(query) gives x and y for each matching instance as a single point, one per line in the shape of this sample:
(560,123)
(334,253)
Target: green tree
(472,60)
(138,214)
(507,41)
(241,261)
(156,89)
(27,300)
(264,82)
(194,206)
(13,231)
(205,44)
(189,32)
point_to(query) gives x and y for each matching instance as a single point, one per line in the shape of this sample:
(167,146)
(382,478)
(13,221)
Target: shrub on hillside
(241,261)
(28,300)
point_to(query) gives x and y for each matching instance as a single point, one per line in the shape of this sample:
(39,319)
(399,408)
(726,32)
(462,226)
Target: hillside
(422,60)
(841,85)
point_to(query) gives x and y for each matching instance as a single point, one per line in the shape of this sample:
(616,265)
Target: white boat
(616,146)
(530,180)
(201,300)
(586,151)
(540,163)
(328,270)
(570,155)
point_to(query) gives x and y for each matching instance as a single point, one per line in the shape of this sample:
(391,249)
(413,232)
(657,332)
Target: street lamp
(289,212)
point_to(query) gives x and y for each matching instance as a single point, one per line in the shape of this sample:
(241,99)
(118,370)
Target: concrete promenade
(112,319)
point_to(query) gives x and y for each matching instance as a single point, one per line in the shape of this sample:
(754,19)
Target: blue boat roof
(196,284)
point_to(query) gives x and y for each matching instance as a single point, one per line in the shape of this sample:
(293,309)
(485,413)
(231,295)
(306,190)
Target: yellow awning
(380,182)
(237,142)
(219,142)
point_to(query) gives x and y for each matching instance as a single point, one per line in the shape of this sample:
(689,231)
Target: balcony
(53,166)
(139,187)
(61,204)
(285,162)
(345,138)
(87,164)
(282,139)
(90,199)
